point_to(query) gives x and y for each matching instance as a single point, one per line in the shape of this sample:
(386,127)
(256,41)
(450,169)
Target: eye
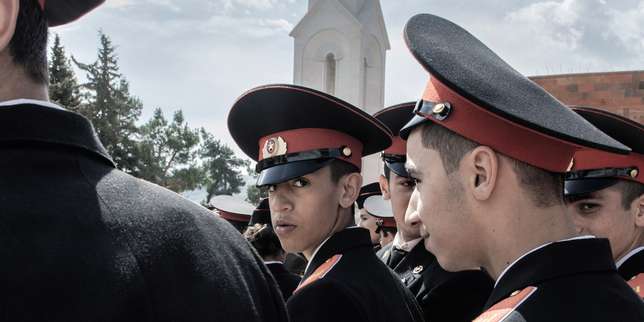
(587,207)
(271,188)
(410,183)
(300,182)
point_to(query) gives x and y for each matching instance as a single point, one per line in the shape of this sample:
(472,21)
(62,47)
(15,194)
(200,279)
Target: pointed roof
(317,8)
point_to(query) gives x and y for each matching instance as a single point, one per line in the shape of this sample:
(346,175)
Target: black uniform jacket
(286,280)
(572,280)
(632,270)
(82,241)
(442,295)
(345,281)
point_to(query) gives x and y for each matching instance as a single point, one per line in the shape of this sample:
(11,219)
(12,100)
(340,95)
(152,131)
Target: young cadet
(235,211)
(101,245)
(608,201)
(443,296)
(366,220)
(308,146)
(261,235)
(487,149)
(381,210)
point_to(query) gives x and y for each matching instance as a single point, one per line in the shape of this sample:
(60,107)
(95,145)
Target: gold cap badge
(274,147)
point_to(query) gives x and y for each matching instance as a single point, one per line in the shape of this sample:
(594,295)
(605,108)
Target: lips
(283,227)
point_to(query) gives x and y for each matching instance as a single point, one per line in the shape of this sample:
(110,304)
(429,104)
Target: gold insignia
(274,147)
(346,151)
(438,108)
(571,164)
(418,269)
(634,173)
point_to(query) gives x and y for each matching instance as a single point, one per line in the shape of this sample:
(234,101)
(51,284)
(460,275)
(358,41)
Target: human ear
(8,17)
(637,207)
(384,187)
(350,189)
(480,171)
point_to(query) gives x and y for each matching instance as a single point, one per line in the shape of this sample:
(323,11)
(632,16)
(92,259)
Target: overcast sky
(199,55)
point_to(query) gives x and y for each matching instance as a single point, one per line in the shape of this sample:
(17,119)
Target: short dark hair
(28,46)
(545,188)
(387,171)
(630,190)
(341,168)
(264,240)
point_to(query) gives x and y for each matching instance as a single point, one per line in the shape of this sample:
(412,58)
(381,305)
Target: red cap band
(234,217)
(308,139)
(596,159)
(388,222)
(486,128)
(398,146)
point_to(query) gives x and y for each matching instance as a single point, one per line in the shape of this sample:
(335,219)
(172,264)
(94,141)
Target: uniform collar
(407,246)
(553,260)
(339,243)
(632,263)
(40,124)
(23,101)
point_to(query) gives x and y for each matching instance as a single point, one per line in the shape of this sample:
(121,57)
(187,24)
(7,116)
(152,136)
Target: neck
(638,241)
(16,84)
(523,231)
(406,236)
(343,221)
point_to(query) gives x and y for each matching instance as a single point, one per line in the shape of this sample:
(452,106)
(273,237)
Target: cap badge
(441,111)
(274,147)
(418,269)
(346,151)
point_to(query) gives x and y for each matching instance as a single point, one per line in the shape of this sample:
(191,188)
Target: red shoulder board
(637,283)
(501,310)
(320,272)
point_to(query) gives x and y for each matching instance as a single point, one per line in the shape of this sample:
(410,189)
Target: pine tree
(63,87)
(222,169)
(110,106)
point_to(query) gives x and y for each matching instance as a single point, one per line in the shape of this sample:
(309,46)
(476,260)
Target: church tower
(340,49)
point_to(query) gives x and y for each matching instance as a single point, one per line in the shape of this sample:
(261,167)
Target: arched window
(329,74)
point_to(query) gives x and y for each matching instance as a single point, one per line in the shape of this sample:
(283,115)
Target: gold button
(514,293)
(346,151)
(438,108)
(634,173)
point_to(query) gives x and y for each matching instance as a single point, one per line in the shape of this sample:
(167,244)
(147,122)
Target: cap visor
(406,130)
(398,168)
(584,186)
(284,172)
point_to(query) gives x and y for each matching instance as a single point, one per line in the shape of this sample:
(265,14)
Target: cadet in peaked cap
(234,210)
(382,212)
(366,220)
(487,149)
(608,200)
(442,295)
(308,146)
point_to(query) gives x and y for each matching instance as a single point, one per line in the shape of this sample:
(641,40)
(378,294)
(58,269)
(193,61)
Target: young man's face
(439,203)
(601,214)
(369,222)
(399,191)
(304,210)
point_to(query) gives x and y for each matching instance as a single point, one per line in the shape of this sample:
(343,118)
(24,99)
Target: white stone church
(340,48)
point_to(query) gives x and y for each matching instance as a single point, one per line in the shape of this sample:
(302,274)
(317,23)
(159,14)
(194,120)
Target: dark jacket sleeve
(460,297)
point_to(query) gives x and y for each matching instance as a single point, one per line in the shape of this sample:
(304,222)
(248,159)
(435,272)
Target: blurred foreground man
(100,245)
(308,146)
(608,201)
(443,296)
(487,149)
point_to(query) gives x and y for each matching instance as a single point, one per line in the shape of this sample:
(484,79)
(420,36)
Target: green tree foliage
(253,193)
(63,86)
(110,106)
(222,169)
(168,153)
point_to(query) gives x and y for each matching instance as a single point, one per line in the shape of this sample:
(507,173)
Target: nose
(278,200)
(411,215)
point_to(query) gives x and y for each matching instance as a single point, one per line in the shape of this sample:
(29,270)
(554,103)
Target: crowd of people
(497,202)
